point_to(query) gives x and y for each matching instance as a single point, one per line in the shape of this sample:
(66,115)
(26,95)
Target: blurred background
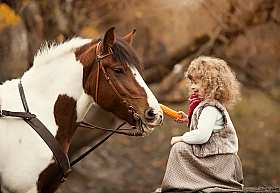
(170,33)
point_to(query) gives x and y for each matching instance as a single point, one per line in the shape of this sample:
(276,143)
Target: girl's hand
(176,139)
(183,119)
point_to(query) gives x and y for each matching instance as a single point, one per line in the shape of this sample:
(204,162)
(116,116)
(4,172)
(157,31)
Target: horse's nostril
(150,115)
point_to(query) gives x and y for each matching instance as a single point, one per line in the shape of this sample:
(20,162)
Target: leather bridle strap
(53,144)
(17,114)
(90,126)
(99,59)
(44,133)
(22,96)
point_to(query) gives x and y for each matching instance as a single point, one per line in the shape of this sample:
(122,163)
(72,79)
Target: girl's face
(196,86)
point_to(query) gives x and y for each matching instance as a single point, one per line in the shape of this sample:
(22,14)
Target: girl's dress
(207,160)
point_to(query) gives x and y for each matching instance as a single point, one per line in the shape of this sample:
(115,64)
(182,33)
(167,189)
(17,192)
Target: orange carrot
(169,112)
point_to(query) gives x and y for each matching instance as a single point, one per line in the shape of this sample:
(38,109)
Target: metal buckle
(136,116)
(63,179)
(106,75)
(98,58)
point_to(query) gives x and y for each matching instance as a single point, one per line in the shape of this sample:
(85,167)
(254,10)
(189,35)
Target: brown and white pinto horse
(60,88)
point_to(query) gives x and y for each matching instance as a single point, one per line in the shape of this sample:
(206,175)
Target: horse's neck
(55,94)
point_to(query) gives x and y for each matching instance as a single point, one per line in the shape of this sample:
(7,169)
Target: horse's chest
(25,155)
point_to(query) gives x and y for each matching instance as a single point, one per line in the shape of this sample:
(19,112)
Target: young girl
(205,158)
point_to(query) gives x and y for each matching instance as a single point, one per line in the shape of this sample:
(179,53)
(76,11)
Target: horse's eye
(118,71)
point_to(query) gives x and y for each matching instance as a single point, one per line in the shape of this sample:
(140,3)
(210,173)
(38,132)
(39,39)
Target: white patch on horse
(151,98)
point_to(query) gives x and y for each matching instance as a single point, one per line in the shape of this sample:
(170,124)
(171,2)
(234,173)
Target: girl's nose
(192,86)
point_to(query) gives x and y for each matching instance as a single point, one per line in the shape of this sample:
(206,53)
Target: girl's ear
(128,38)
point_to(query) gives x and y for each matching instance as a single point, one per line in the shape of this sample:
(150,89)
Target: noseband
(132,115)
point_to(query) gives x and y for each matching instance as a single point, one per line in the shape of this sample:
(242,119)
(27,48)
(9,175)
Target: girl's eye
(118,71)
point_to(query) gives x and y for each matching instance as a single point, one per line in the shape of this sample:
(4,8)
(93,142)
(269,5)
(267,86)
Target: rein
(93,148)
(121,131)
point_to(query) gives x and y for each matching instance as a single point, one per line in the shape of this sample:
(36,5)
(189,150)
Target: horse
(65,80)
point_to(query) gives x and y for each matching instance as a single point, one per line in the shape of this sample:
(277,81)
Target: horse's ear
(129,37)
(108,40)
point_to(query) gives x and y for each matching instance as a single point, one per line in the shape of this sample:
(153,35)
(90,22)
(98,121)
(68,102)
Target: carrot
(169,112)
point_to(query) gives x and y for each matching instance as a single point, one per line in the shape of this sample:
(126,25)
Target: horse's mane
(51,51)
(122,51)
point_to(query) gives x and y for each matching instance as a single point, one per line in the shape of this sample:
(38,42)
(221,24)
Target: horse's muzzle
(151,119)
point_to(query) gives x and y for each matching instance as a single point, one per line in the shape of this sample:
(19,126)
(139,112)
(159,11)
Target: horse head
(112,75)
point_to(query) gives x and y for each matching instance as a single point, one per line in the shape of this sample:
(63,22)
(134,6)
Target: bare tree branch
(153,68)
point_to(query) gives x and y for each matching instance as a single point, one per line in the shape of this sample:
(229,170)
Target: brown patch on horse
(87,57)
(65,114)
(50,179)
(83,48)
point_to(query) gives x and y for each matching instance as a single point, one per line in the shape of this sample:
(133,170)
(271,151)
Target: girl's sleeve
(205,126)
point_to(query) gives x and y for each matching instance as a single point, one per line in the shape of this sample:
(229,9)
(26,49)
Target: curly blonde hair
(218,80)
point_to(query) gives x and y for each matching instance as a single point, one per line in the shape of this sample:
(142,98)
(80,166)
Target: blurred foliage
(8,17)
(257,121)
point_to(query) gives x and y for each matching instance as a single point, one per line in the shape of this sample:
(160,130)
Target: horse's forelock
(125,53)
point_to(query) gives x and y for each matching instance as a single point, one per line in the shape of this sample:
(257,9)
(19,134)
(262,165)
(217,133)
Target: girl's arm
(205,127)
(206,124)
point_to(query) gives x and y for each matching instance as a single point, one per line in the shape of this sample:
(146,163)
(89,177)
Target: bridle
(132,115)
